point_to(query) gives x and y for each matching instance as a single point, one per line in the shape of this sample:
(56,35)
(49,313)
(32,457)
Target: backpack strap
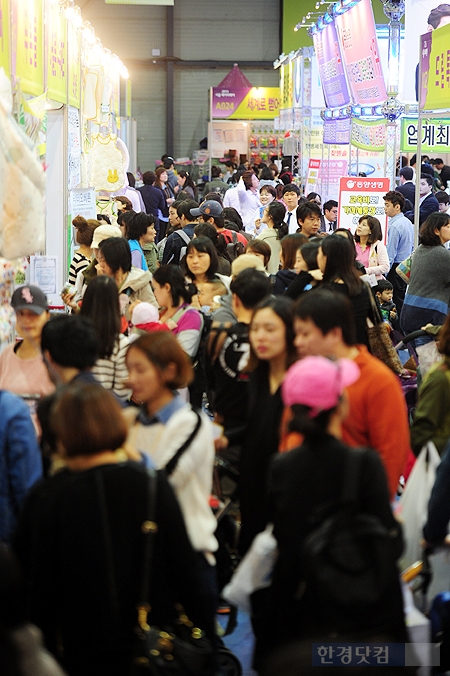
(171,465)
(184,236)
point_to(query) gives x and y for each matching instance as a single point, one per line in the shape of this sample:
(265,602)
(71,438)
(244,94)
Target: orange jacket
(377,417)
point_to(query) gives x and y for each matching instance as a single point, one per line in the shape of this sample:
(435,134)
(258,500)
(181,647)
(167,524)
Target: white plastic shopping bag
(413,504)
(254,572)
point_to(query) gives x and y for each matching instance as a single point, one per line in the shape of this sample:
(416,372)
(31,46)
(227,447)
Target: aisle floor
(240,642)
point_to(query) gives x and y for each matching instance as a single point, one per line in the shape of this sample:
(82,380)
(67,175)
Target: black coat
(302,481)
(60,542)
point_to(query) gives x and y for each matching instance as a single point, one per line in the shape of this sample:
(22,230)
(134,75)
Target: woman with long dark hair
(185,183)
(161,182)
(174,296)
(273,217)
(290,244)
(220,245)
(428,297)
(272,352)
(201,263)
(249,203)
(101,305)
(370,250)
(336,262)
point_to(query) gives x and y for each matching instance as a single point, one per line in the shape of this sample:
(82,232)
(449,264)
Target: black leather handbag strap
(149,528)
(173,462)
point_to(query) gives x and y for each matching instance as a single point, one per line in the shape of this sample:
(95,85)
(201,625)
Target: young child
(145,317)
(384,292)
(207,296)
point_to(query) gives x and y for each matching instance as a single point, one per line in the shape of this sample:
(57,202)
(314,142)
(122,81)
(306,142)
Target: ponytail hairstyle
(174,277)
(277,212)
(85,229)
(311,427)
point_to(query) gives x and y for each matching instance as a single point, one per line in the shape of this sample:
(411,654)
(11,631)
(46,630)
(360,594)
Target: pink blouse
(362,256)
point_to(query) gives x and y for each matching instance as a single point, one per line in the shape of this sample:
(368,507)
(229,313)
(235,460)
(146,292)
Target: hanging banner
(331,68)
(337,132)
(420,16)
(435,84)
(4,36)
(74,65)
(286,93)
(361,55)
(28,47)
(369,135)
(362,197)
(256,103)
(297,82)
(56,36)
(435,135)
(74,147)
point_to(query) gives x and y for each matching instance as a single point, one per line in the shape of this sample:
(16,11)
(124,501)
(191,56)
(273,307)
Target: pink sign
(359,48)
(362,197)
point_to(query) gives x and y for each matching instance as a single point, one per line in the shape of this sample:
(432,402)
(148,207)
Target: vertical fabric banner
(331,67)
(361,55)
(4,36)
(435,85)
(29,46)
(74,65)
(56,56)
(420,16)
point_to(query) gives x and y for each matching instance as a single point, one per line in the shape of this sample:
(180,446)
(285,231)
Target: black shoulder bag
(350,556)
(184,651)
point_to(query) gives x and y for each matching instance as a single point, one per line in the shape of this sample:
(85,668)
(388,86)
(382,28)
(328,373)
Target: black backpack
(350,556)
(235,248)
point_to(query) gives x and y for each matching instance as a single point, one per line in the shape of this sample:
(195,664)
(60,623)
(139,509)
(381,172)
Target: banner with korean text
(362,197)
(434,88)
(361,55)
(256,103)
(435,135)
(28,47)
(56,36)
(74,65)
(4,36)
(331,67)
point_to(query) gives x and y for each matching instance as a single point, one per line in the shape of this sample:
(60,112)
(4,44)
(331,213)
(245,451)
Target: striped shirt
(112,373)
(79,263)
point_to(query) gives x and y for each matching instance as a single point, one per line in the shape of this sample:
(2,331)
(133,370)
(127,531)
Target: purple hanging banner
(331,68)
(337,131)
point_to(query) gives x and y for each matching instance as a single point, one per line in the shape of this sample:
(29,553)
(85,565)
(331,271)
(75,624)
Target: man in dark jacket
(428,202)
(153,197)
(407,187)
(177,242)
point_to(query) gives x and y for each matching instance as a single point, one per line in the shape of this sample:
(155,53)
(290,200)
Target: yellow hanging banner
(29,47)
(74,63)
(56,38)
(4,36)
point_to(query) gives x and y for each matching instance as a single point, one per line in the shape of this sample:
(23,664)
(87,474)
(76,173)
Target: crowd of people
(212,347)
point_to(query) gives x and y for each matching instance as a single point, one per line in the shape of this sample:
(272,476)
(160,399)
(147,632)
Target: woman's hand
(170,200)
(68,299)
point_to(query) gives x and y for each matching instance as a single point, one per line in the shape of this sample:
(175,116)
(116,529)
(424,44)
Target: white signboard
(83,203)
